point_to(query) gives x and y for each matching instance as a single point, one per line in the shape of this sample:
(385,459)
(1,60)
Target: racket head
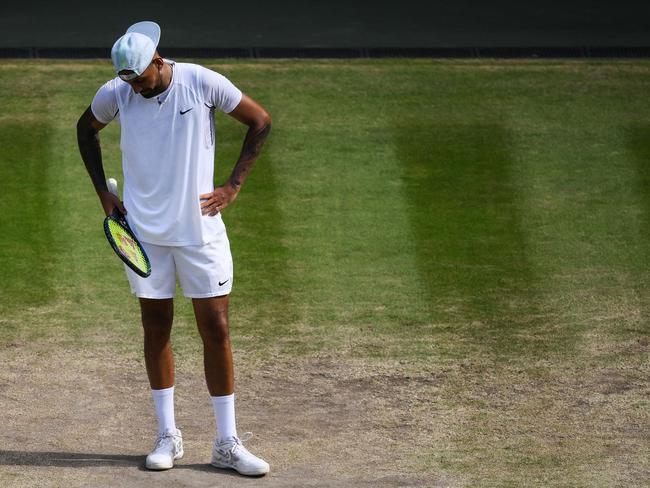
(126,245)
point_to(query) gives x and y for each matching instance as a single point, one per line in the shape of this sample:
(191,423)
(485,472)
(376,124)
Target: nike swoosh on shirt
(183,113)
(223,283)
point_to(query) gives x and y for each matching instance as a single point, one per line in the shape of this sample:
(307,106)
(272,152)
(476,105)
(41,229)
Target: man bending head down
(166,114)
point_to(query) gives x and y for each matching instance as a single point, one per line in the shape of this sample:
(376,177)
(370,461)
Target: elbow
(265,126)
(262,122)
(267,119)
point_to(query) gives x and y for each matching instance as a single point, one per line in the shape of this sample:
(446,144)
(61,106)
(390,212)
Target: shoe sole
(217,464)
(162,467)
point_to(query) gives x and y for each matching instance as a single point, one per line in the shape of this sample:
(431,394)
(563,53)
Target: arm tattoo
(250,151)
(91,153)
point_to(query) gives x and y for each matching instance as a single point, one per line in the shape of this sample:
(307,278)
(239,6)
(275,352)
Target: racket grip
(111,183)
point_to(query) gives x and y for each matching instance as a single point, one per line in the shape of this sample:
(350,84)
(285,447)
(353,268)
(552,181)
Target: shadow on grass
(465,216)
(27,252)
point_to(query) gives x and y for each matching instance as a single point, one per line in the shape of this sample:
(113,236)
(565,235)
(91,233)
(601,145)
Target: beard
(158,88)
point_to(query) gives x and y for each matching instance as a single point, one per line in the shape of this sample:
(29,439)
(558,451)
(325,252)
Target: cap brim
(147,28)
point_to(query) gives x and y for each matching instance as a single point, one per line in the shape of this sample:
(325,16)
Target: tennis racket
(123,240)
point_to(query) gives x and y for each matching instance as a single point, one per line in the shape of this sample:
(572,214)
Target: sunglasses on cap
(132,75)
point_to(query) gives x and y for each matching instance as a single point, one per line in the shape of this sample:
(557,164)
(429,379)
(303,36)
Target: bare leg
(212,320)
(157,318)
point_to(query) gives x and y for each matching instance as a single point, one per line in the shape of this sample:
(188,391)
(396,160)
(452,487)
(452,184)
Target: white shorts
(203,271)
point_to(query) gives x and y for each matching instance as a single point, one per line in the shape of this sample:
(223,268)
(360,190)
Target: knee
(216,332)
(157,321)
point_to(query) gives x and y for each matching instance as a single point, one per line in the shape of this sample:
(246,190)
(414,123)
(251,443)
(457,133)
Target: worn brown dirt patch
(84,418)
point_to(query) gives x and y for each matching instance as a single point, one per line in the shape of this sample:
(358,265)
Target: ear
(158,61)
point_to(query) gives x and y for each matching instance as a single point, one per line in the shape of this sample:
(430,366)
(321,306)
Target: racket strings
(127,245)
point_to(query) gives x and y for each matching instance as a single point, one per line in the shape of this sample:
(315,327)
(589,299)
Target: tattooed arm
(249,113)
(88,128)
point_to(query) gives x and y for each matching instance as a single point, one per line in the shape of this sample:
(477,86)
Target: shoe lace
(239,441)
(246,436)
(162,438)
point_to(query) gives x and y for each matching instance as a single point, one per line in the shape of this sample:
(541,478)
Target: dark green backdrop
(329,24)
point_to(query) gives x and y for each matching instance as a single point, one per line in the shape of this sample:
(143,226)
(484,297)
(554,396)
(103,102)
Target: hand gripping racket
(123,240)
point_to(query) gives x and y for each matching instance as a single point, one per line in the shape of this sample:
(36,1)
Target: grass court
(441,279)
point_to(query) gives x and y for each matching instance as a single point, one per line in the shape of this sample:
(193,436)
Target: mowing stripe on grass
(28,220)
(637,139)
(341,213)
(581,203)
(466,217)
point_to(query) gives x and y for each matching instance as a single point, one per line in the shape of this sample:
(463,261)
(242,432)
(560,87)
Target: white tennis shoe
(232,454)
(168,447)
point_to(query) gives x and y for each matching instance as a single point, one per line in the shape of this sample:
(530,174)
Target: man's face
(149,83)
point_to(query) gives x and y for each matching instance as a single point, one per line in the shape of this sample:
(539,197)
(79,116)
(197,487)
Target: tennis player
(166,114)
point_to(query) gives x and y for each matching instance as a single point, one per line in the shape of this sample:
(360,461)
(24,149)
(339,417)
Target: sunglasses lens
(128,76)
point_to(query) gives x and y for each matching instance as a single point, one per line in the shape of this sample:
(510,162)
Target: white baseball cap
(135,49)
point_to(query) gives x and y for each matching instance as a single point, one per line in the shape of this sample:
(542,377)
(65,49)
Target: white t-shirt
(168,145)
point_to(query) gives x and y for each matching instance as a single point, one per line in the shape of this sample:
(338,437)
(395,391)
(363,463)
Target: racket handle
(111,183)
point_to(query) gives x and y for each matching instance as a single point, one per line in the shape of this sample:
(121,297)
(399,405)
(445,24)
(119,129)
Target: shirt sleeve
(104,105)
(219,91)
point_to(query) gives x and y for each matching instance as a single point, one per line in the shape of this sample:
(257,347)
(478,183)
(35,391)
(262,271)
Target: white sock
(224,414)
(163,401)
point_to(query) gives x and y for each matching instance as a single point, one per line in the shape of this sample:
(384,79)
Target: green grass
(495,213)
